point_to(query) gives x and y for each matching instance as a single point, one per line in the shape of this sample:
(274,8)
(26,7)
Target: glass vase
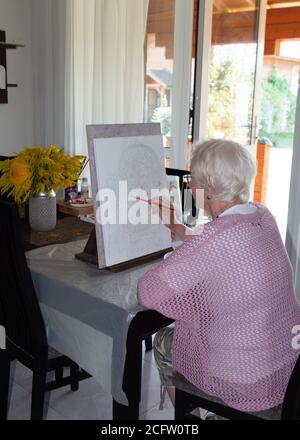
(43,211)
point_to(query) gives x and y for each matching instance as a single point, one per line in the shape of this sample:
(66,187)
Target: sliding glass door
(228,71)
(170,52)
(203,71)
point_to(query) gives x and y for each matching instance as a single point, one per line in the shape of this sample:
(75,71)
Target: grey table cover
(87,311)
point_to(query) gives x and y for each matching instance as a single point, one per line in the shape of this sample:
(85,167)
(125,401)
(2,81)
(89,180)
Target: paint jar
(84,188)
(71,193)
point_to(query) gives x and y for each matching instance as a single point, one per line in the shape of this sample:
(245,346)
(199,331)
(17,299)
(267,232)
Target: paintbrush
(152,202)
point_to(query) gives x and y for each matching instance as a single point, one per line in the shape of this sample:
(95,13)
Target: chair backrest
(20,313)
(2,159)
(291,403)
(182,185)
(180,174)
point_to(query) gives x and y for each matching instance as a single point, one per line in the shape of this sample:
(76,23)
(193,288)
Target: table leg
(132,377)
(123,412)
(143,325)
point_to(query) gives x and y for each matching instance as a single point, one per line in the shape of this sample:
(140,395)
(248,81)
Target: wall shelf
(4,85)
(4,45)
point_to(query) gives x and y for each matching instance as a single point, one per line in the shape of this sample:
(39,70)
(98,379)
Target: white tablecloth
(87,311)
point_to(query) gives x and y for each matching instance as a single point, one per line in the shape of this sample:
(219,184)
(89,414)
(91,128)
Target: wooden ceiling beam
(283,5)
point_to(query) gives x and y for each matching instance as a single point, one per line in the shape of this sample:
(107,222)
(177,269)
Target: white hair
(226,167)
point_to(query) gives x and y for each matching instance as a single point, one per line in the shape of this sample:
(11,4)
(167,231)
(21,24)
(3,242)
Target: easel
(90,255)
(95,251)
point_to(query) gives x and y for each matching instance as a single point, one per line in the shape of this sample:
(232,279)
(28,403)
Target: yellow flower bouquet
(37,174)
(37,170)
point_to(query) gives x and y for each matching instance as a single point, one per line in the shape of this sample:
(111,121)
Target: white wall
(16,117)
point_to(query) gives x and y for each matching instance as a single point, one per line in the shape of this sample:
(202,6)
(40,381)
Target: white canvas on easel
(131,153)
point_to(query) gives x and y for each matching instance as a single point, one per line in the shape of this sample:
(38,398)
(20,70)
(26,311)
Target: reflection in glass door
(170,54)
(232,70)
(227,102)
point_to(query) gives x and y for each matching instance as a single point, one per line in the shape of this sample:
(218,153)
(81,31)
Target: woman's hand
(167,213)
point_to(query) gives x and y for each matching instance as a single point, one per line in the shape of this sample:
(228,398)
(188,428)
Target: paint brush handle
(151,202)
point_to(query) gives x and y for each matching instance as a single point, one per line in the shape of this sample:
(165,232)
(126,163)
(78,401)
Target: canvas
(126,159)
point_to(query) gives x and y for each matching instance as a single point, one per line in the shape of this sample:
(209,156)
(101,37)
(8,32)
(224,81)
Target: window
(159,84)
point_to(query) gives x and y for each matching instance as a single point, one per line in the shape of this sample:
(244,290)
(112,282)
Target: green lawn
(280,140)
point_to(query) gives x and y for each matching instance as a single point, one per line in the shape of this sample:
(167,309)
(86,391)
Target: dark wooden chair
(188,397)
(3,158)
(183,187)
(20,315)
(180,174)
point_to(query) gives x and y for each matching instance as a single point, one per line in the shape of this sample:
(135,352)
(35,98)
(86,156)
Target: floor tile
(54,415)
(19,408)
(20,374)
(167,413)
(150,387)
(90,402)
(20,405)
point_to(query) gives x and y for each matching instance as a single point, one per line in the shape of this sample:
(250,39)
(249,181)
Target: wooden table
(68,229)
(66,208)
(142,327)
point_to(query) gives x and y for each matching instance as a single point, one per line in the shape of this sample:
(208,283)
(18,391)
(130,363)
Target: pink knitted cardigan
(230,291)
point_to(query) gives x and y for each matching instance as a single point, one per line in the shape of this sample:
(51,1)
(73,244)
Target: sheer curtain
(104,65)
(293,228)
(48,60)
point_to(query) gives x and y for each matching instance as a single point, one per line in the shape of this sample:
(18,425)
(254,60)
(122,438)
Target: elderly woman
(229,288)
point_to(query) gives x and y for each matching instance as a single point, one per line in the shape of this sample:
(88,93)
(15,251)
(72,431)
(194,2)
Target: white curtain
(183,38)
(293,228)
(104,65)
(48,61)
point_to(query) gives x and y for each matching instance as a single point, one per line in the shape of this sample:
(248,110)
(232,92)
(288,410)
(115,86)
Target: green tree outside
(278,110)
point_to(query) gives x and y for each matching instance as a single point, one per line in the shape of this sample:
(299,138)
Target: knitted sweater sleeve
(169,287)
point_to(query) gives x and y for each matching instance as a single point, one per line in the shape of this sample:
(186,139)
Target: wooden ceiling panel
(282,3)
(227,6)
(228,26)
